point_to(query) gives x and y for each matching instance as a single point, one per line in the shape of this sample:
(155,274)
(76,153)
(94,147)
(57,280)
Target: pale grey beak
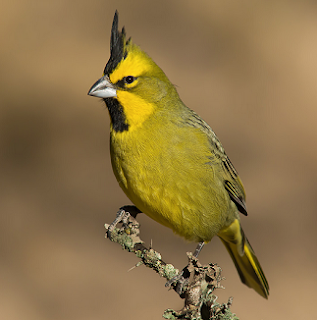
(103,88)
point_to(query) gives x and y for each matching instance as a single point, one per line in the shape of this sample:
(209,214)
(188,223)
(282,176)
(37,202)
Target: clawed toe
(122,216)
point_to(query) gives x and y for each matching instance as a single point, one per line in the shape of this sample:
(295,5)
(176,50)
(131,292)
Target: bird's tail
(244,258)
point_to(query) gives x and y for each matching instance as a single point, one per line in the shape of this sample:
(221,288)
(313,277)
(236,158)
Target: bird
(168,160)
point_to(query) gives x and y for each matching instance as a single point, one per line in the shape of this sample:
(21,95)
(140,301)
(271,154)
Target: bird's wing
(232,181)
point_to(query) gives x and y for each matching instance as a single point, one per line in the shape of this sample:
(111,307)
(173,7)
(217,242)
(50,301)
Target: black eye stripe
(121,83)
(124,81)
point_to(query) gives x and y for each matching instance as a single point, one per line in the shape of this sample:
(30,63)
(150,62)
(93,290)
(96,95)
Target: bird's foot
(123,216)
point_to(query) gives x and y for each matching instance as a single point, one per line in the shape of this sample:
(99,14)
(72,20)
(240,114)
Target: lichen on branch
(195,283)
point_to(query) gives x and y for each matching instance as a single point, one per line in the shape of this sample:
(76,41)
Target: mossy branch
(195,284)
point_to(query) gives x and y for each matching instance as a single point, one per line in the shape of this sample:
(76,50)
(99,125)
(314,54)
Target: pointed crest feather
(117,45)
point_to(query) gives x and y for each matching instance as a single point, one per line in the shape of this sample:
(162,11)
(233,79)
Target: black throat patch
(118,119)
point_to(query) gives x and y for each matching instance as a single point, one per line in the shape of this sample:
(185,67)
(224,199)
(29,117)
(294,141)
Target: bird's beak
(103,88)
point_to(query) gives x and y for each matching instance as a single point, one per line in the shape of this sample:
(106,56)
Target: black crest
(117,46)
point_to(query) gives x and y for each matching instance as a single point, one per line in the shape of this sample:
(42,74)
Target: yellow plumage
(168,161)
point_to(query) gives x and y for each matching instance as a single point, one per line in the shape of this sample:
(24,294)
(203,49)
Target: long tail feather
(244,258)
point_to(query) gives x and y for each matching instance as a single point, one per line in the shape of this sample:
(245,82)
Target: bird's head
(132,85)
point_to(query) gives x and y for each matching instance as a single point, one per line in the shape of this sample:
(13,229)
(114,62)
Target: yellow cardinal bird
(168,161)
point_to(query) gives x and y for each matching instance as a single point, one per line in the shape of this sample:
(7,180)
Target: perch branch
(195,284)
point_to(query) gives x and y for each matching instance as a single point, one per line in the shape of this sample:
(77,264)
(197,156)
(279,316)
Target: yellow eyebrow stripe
(135,64)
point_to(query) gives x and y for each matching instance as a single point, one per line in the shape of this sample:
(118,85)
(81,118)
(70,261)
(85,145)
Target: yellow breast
(169,177)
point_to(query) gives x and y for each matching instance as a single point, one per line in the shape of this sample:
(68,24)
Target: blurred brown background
(249,68)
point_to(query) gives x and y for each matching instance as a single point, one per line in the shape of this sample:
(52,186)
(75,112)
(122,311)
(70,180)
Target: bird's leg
(122,216)
(185,274)
(200,245)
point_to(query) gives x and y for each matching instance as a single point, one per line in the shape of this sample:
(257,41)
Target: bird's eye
(129,79)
